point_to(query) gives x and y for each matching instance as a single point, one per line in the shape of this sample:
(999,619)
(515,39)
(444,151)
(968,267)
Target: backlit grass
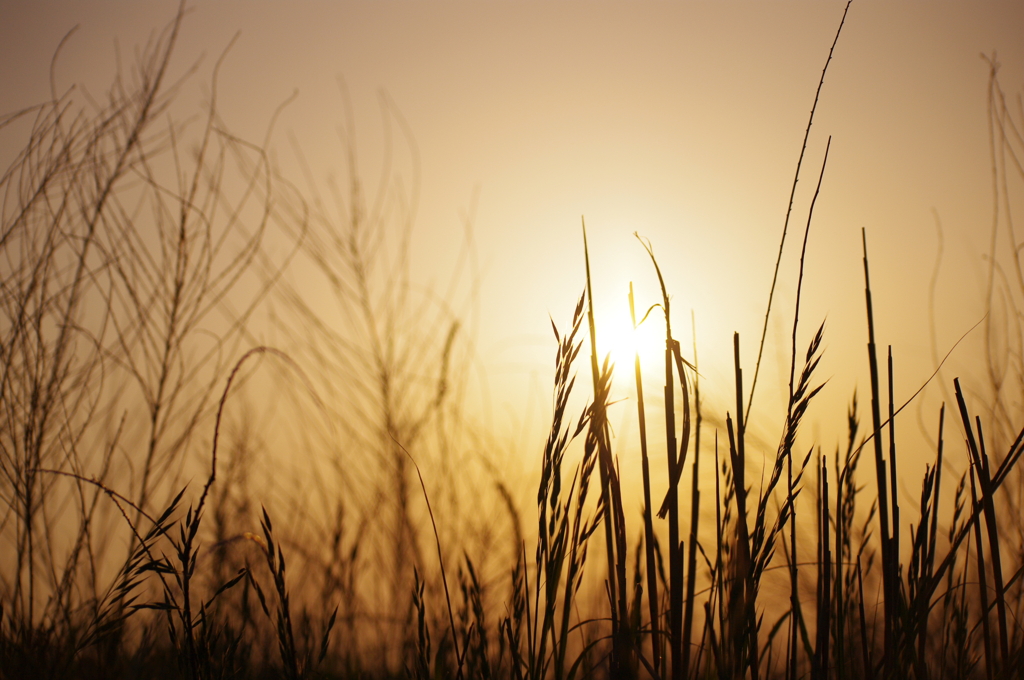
(134,543)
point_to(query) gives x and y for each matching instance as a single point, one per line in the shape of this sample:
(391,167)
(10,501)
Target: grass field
(137,540)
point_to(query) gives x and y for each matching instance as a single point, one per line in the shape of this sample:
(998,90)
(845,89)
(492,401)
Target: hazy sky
(680,120)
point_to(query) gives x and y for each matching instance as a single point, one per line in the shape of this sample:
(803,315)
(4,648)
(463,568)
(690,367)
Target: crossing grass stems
(867,592)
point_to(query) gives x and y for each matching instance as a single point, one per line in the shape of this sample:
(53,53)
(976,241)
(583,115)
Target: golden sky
(679,120)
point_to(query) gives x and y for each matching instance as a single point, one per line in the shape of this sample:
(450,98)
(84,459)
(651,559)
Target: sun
(618,340)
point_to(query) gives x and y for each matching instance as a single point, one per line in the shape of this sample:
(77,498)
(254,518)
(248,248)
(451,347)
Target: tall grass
(133,274)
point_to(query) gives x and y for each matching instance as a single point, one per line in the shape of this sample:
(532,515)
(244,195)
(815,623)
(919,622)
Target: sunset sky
(679,120)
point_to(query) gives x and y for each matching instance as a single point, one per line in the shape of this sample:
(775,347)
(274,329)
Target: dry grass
(132,272)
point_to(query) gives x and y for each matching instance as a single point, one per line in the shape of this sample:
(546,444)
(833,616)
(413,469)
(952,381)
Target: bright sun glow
(617,339)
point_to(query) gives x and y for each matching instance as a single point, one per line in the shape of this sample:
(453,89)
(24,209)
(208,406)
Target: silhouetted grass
(107,398)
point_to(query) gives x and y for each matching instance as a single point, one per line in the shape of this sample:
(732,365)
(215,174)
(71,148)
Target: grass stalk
(744,573)
(824,575)
(599,437)
(649,538)
(789,209)
(894,549)
(676,454)
(982,584)
(979,463)
(888,578)
(691,562)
